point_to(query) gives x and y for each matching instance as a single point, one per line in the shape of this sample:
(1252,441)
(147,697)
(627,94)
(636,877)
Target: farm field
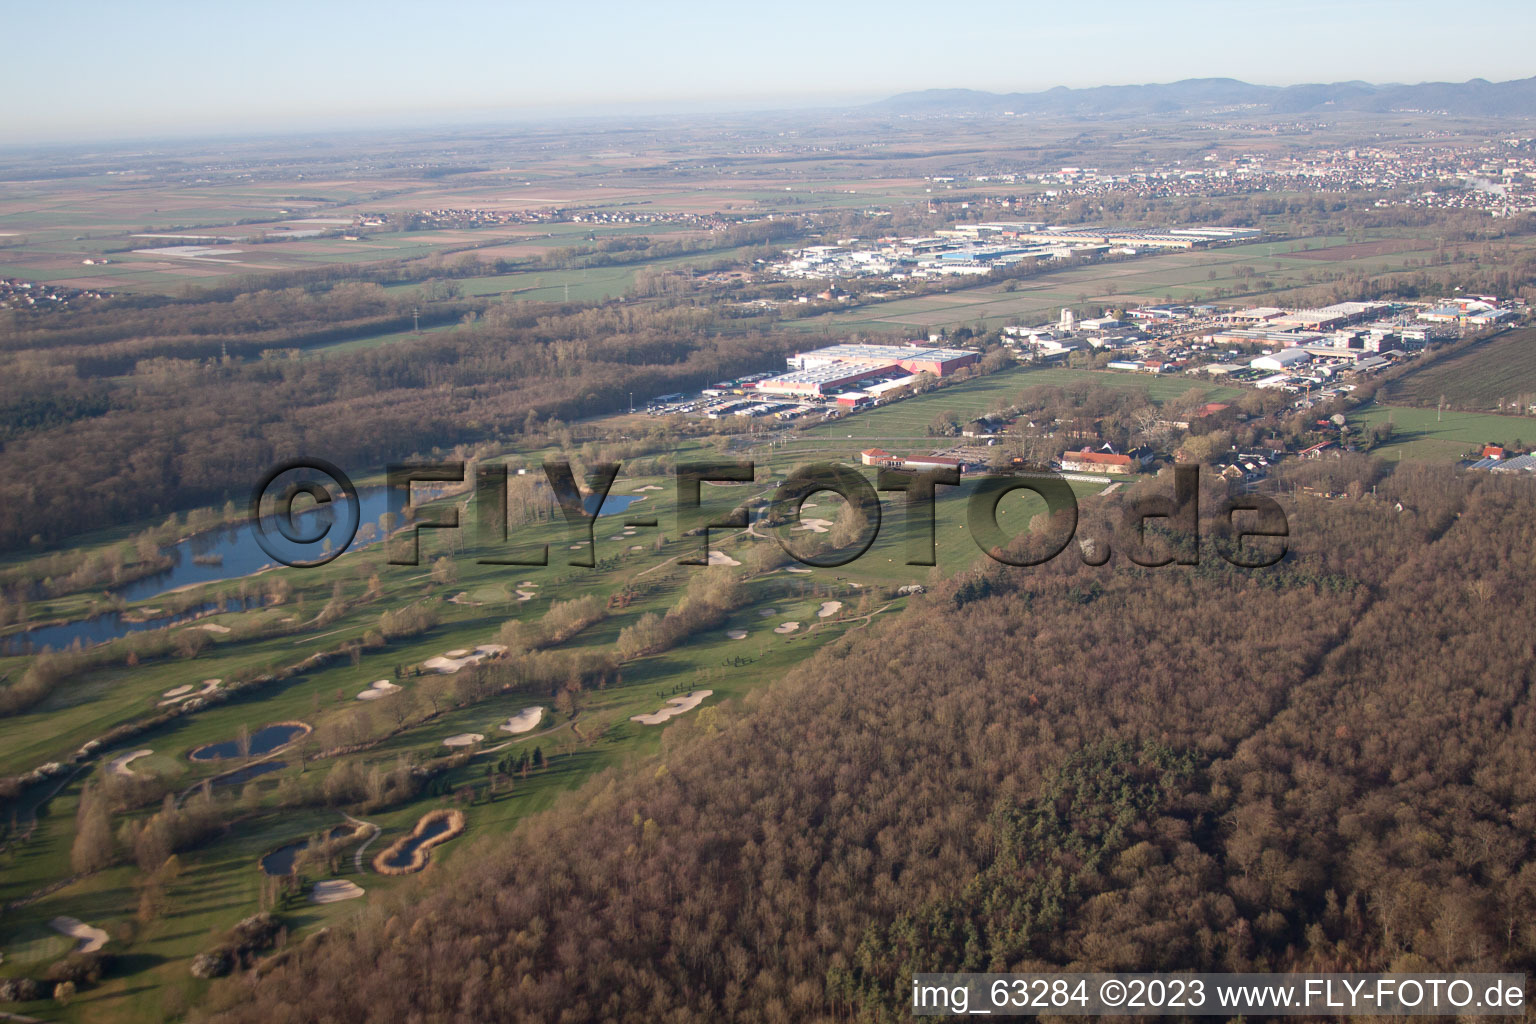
(1424,434)
(1494,375)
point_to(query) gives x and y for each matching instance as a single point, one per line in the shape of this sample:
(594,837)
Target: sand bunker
(786,627)
(736,634)
(721,558)
(91,939)
(214,627)
(119,764)
(798,571)
(456,659)
(463,739)
(462,597)
(382,688)
(523,721)
(409,853)
(335,890)
(178,694)
(675,706)
(647,487)
(525,595)
(814,525)
(637,547)
(829,609)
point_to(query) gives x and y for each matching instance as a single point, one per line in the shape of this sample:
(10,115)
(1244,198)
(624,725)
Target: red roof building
(1089,461)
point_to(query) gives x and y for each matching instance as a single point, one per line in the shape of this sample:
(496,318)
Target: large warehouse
(825,371)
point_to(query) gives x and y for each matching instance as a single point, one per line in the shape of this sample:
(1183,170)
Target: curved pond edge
(456,823)
(304,729)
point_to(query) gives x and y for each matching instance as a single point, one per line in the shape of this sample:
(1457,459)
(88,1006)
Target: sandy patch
(675,706)
(526,595)
(814,525)
(454,660)
(185,692)
(828,609)
(382,688)
(803,572)
(91,939)
(523,721)
(214,627)
(119,764)
(334,890)
(178,691)
(647,487)
(462,597)
(463,739)
(721,558)
(736,634)
(786,627)
(637,547)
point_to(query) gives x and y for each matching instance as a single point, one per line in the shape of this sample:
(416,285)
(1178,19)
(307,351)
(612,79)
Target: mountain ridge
(1475,97)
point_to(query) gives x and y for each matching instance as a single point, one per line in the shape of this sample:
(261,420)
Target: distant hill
(1212,95)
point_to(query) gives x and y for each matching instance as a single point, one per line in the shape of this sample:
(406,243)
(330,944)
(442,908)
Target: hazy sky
(80,69)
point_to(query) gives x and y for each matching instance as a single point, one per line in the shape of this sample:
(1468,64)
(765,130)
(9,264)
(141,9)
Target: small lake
(249,772)
(215,556)
(612,505)
(263,741)
(280,861)
(99,629)
(231,552)
(402,857)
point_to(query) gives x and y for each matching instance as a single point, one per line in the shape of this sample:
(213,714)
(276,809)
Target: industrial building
(823,379)
(1284,359)
(875,368)
(912,358)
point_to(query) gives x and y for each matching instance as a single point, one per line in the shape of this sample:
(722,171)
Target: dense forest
(1323,765)
(187,404)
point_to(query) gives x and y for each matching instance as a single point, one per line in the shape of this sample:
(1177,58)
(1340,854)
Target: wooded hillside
(1325,765)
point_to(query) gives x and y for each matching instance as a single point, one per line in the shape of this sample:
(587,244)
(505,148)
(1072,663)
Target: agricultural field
(1496,375)
(1441,436)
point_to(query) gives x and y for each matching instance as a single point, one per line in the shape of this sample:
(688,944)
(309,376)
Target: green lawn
(1447,436)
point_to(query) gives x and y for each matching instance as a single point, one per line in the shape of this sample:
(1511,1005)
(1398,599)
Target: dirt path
(357,856)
